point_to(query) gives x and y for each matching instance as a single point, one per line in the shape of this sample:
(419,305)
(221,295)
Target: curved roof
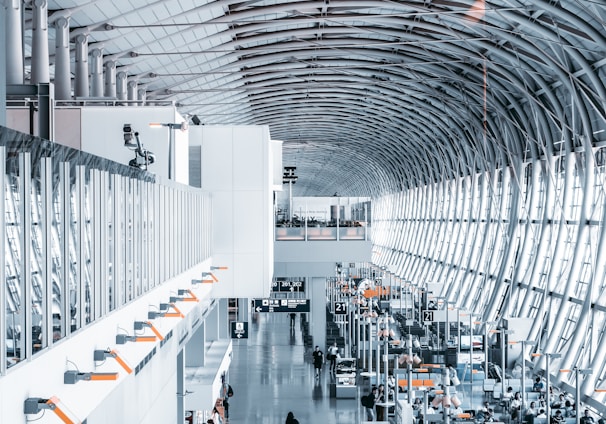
(370,96)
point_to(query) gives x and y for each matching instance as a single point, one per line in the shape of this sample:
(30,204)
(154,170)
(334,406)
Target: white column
(40,65)
(81,81)
(63,89)
(110,78)
(96,72)
(14,42)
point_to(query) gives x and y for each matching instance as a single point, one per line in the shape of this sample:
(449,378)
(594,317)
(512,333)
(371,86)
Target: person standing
(318,356)
(293,317)
(380,398)
(290,419)
(333,351)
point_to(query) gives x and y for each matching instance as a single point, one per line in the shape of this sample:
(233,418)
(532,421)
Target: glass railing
(318,232)
(84,236)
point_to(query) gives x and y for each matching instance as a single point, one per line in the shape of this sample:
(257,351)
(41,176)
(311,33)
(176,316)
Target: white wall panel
(217,152)
(238,172)
(248,221)
(102,135)
(250,161)
(276,159)
(223,228)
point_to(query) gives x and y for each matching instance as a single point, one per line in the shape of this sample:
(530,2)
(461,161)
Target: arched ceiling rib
(370,96)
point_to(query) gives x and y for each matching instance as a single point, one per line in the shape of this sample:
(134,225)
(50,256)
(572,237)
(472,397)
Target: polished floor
(271,374)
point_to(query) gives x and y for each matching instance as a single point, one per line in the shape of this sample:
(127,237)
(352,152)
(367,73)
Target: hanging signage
(340,308)
(288,286)
(282,305)
(239,330)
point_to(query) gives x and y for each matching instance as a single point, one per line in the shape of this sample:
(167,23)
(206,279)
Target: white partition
(238,172)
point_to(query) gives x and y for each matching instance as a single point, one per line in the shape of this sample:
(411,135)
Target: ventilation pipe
(121,78)
(81,81)
(142,94)
(132,92)
(96,72)
(63,88)
(14,42)
(110,79)
(40,63)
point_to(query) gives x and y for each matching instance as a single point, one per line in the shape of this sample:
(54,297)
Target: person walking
(333,352)
(318,356)
(290,419)
(293,318)
(226,393)
(368,401)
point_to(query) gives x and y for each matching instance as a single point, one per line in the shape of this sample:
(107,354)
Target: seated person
(538,385)
(542,414)
(532,409)
(586,418)
(557,418)
(559,402)
(569,410)
(515,406)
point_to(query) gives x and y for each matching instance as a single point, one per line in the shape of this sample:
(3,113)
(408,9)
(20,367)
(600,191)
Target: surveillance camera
(128,137)
(150,157)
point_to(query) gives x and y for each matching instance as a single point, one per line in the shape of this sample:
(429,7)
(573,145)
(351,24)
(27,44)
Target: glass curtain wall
(84,236)
(521,241)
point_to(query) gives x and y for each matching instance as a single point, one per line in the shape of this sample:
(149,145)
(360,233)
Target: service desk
(346,386)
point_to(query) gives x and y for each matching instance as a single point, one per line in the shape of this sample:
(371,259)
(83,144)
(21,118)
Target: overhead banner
(282,305)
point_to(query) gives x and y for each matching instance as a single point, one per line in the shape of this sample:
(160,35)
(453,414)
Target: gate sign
(288,286)
(438,315)
(239,330)
(282,305)
(340,308)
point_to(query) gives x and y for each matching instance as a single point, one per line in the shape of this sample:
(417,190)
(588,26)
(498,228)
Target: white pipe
(14,42)
(40,64)
(142,95)
(132,92)
(63,89)
(81,81)
(121,79)
(96,72)
(110,79)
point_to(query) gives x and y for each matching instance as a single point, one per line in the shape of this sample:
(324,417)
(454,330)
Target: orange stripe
(156,332)
(62,415)
(104,376)
(53,402)
(145,339)
(177,310)
(122,363)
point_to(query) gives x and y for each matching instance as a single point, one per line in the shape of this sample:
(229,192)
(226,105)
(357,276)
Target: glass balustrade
(82,237)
